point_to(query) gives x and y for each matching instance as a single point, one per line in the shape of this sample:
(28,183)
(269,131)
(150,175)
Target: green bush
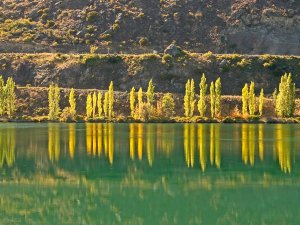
(244,63)
(50,23)
(91,16)
(143,41)
(167,59)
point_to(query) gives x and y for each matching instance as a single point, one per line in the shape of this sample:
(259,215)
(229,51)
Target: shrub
(244,63)
(168,105)
(66,115)
(50,23)
(115,27)
(208,55)
(167,59)
(91,16)
(143,41)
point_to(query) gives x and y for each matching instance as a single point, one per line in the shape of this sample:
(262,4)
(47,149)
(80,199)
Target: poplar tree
(51,114)
(56,100)
(212,99)
(105,104)
(187,98)
(274,96)
(218,97)
(72,102)
(245,100)
(202,96)
(140,102)
(99,104)
(285,102)
(132,101)
(192,98)
(150,93)
(261,102)
(251,99)
(111,100)
(94,104)
(168,105)
(2,97)
(89,106)
(10,96)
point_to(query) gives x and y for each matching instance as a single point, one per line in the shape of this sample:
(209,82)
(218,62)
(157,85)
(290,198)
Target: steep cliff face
(168,73)
(137,26)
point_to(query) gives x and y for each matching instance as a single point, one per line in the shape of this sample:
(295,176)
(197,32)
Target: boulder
(173,50)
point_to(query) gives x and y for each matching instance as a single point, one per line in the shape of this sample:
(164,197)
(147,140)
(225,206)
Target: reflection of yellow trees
(99,138)
(192,144)
(261,141)
(89,140)
(283,148)
(188,144)
(72,140)
(251,143)
(136,135)
(167,139)
(7,146)
(98,135)
(131,141)
(110,142)
(248,143)
(202,146)
(245,142)
(54,141)
(215,153)
(150,143)
(140,141)
(105,139)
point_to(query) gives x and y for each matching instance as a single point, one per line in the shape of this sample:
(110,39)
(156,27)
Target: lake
(96,173)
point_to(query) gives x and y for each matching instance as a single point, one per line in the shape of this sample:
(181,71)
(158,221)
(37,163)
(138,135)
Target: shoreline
(225,120)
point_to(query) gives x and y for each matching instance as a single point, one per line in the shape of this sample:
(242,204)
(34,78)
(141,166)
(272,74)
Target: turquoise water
(149,173)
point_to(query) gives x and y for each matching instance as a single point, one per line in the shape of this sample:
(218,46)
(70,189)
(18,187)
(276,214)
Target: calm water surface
(149,173)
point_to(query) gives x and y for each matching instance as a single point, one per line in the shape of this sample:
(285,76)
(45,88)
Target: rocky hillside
(139,26)
(169,73)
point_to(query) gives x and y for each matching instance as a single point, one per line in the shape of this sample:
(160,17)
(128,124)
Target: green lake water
(152,174)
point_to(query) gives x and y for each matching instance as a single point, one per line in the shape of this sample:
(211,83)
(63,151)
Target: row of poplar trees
(94,103)
(215,98)
(284,98)
(144,109)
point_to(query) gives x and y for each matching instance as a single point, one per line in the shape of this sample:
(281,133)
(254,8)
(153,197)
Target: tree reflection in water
(99,136)
(157,141)
(7,146)
(54,141)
